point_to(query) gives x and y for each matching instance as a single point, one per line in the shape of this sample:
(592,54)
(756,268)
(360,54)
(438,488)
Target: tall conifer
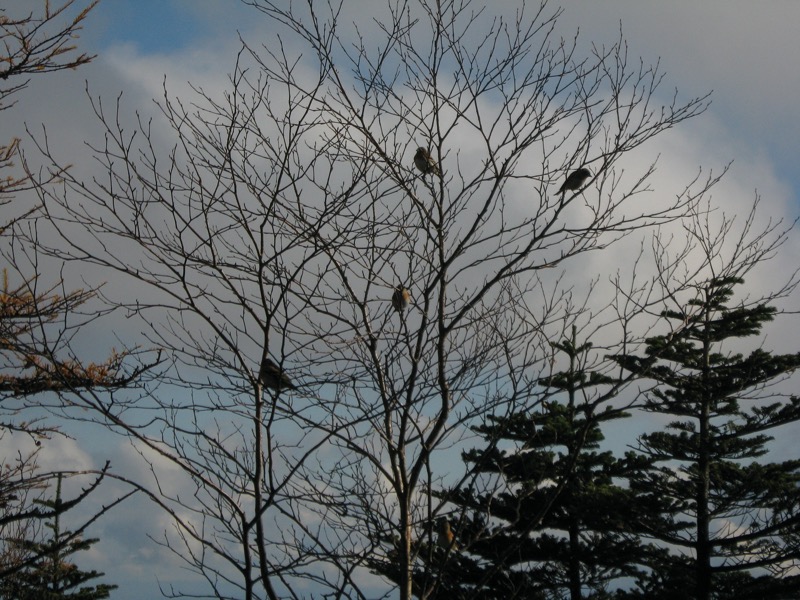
(720,501)
(561,528)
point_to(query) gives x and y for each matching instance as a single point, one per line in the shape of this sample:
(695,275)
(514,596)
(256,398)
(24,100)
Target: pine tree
(726,510)
(51,575)
(561,528)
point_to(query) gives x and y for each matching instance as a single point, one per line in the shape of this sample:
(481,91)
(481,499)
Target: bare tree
(268,229)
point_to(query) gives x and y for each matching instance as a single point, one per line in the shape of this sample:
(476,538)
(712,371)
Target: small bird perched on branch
(401,298)
(575,180)
(446,540)
(272,376)
(425,163)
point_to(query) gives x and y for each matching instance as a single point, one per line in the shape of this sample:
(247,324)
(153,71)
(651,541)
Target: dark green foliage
(561,526)
(703,514)
(724,510)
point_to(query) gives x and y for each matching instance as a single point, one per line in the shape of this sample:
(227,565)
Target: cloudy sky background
(745,52)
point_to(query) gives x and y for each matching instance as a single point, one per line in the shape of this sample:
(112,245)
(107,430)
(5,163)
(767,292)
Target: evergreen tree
(561,528)
(725,510)
(51,575)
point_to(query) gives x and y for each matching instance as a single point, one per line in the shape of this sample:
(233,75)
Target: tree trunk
(574,562)
(703,570)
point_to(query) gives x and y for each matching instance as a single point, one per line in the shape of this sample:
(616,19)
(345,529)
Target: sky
(742,51)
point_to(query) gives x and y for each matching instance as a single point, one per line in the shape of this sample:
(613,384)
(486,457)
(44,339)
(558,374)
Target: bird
(272,376)
(425,163)
(446,540)
(401,298)
(575,180)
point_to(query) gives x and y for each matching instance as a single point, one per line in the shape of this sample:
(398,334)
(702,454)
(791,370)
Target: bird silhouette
(575,180)
(446,540)
(425,163)
(401,298)
(272,376)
